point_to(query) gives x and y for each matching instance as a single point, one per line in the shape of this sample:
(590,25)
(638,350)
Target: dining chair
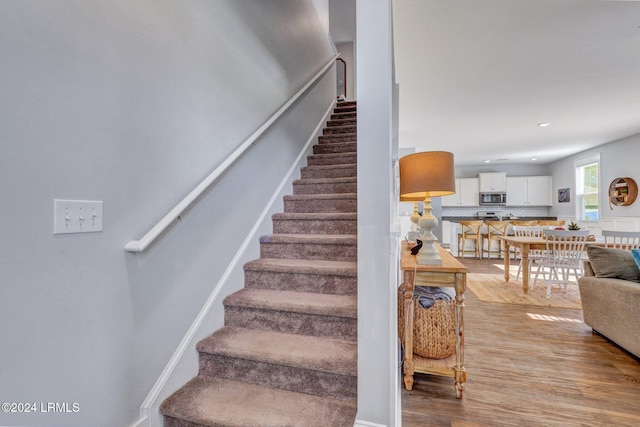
(495,229)
(621,239)
(564,250)
(472,231)
(527,231)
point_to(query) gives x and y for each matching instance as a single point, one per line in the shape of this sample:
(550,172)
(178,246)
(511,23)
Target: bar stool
(517,222)
(495,229)
(470,230)
(551,223)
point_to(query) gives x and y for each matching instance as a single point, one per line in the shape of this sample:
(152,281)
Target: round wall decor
(622,192)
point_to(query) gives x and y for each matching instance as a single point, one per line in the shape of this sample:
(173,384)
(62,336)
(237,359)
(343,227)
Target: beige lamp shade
(430,173)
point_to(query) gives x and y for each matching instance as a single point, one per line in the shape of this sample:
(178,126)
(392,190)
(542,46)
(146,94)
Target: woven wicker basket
(434,329)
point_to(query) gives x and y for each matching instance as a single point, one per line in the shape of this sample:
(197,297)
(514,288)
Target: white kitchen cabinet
(529,191)
(446,234)
(492,182)
(467,193)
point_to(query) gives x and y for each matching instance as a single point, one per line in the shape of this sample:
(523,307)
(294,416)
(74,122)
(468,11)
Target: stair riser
(337,188)
(342,122)
(279,376)
(339,129)
(301,282)
(338,137)
(341,159)
(302,226)
(346,115)
(321,206)
(311,173)
(342,147)
(345,109)
(175,422)
(328,252)
(346,103)
(292,323)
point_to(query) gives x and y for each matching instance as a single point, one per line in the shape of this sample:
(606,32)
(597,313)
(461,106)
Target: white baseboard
(149,416)
(361,423)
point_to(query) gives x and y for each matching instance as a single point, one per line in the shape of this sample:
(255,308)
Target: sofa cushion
(613,263)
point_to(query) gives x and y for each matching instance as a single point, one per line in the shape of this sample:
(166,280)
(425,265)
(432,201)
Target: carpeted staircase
(287,353)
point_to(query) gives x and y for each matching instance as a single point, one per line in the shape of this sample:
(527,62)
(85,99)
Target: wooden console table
(452,273)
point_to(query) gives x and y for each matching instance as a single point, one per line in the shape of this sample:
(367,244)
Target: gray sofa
(611,305)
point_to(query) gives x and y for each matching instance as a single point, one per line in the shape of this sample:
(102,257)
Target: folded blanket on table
(428,295)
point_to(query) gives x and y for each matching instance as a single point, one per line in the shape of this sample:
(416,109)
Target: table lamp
(426,175)
(415,232)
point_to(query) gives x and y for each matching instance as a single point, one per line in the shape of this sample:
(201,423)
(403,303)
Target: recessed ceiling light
(534,158)
(543,124)
(487,161)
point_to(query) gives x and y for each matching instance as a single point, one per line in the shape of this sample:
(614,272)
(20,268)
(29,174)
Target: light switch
(77,216)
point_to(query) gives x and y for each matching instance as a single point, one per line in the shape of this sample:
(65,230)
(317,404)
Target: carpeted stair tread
(316,215)
(295,302)
(337,202)
(321,239)
(338,247)
(335,147)
(331,167)
(332,158)
(338,137)
(299,351)
(342,180)
(329,171)
(344,108)
(346,121)
(217,402)
(321,267)
(340,129)
(321,196)
(344,115)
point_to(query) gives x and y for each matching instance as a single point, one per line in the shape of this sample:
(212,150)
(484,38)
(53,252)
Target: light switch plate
(77,216)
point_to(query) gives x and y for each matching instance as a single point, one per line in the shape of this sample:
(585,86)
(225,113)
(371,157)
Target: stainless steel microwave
(493,199)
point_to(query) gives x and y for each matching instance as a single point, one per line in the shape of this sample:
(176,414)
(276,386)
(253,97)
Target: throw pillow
(636,256)
(613,263)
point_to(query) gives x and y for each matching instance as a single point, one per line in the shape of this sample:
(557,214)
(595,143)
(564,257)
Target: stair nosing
(297,355)
(195,388)
(315,216)
(328,196)
(336,180)
(295,305)
(318,239)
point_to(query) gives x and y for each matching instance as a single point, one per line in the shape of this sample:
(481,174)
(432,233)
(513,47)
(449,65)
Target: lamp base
(428,254)
(428,258)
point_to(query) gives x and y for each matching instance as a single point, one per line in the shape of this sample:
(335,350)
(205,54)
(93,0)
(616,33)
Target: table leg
(459,372)
(526,270)
(507,275)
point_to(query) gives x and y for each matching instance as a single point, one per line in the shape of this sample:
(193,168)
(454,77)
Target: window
(587,178)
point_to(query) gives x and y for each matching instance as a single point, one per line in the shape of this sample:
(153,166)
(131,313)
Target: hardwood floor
(523,370)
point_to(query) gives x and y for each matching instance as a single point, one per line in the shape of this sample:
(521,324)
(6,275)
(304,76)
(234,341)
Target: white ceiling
(477,76)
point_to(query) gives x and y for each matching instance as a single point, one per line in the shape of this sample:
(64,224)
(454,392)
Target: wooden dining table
(526,244)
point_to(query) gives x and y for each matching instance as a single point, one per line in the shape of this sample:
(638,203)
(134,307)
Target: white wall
(347,53)
(377,262)
(133,103)
(617,159)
